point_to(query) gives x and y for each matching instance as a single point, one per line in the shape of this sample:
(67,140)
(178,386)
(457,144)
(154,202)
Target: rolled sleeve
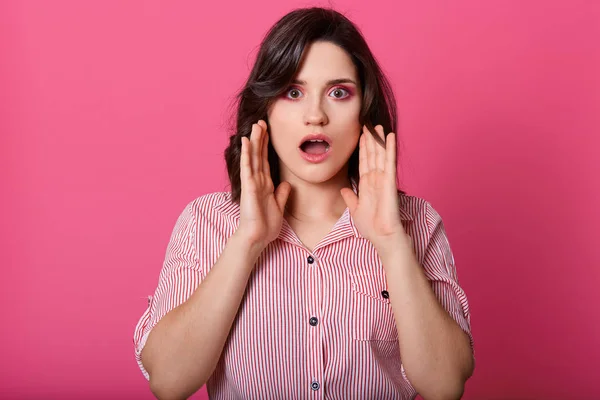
(178,279)
(435,255)
(440,270)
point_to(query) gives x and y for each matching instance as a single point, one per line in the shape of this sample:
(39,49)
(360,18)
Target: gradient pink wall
(113,115)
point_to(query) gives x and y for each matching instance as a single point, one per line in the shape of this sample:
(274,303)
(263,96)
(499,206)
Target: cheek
(349,115)
(280,112)
(355,112)
(353,137)
(276,144)
(351,118)
(278,138)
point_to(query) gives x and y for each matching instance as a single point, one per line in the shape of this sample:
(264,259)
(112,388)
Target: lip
(315,136)
(315,158)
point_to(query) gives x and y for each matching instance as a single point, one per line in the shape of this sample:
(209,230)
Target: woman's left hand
(375,210)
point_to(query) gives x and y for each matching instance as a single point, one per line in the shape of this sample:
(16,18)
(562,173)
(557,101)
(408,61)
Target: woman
(314,274)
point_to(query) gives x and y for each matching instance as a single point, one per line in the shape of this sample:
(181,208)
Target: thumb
(350,198)
(282,193)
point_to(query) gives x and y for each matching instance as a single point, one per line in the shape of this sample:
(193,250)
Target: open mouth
(315,147)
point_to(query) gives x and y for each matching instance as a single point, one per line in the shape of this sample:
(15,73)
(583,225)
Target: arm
(180,338)
(434,349)
(435,341)
(184,347)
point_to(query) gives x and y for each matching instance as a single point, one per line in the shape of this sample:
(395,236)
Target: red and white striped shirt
(311,324)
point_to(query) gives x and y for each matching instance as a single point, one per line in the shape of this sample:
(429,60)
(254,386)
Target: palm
(261,208)
(377,204)
(375,209)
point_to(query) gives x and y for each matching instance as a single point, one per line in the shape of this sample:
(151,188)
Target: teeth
(316,141)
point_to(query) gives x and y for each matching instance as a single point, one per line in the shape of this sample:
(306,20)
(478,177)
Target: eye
(293,93)
(340,93)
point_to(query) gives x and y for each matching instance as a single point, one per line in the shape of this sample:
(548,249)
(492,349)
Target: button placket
(314,305)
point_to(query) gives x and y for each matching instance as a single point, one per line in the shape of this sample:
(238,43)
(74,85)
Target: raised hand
(261,208)
(376,208)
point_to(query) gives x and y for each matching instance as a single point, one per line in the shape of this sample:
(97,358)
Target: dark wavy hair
(276,65)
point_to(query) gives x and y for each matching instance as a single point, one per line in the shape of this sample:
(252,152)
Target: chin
(318,173)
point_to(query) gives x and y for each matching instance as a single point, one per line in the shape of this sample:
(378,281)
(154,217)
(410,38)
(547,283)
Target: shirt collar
(346,222)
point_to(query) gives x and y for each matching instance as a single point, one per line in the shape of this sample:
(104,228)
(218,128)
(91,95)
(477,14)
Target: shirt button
(385,294)
(313,321)
(315,385)
(310,260)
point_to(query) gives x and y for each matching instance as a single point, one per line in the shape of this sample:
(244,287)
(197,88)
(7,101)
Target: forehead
(323,61)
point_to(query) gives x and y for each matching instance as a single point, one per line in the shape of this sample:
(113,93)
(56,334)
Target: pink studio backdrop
(113,116)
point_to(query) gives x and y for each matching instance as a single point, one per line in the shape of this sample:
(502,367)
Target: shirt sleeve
(440,270)
(178,279)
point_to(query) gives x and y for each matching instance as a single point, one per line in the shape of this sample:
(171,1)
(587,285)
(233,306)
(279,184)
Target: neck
(317,202)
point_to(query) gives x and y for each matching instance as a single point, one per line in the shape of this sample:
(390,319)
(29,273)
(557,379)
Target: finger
(261,151)
(350,198)
(390,154)
(379,150)
(371,157)
(282,193)
(255,147)
(244,162)
(265,155)
(264,133)
(362,155)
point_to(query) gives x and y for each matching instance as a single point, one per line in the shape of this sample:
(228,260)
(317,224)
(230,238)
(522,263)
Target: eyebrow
(330,82)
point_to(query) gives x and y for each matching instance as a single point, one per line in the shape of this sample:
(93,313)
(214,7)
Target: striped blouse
(311,325)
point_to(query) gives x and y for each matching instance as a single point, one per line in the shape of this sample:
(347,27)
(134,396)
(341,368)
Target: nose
(314,113)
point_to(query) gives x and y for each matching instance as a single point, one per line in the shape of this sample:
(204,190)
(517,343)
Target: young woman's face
(324,99)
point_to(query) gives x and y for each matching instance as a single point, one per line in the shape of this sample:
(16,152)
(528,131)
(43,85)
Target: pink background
(113,116)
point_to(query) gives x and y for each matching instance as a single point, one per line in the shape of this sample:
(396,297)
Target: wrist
(247,244)
(394,245)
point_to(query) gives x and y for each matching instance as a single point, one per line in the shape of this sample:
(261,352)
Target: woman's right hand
(261,208)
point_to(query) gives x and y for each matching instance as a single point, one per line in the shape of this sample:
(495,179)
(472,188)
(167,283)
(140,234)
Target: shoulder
(209,201)
(420,212)
(427,231)
(214,207)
